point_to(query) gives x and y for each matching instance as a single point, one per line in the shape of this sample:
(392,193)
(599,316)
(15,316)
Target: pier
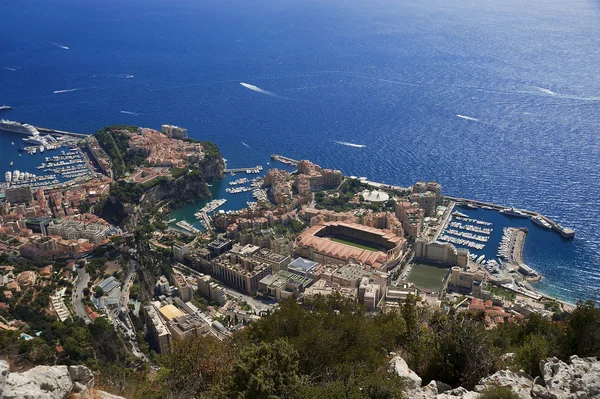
(60,132)
(285,160)
(252,170)
(563,231)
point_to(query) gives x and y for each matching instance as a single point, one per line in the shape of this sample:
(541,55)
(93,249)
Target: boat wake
(258,89)
(545,91)
(66,90)
(123,76)
(60,46)
(9,68)
(350,144)
(130,113)
(246,145)
(468,118)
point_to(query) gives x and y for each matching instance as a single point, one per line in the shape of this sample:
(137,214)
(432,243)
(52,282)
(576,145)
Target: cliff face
(185,190)
(213,168)
(188,188)
(50,382)
(578,379)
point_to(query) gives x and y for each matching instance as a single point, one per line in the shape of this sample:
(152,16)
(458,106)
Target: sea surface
(496,100)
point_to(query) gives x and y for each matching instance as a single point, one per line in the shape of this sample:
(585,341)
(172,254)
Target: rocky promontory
(50,382)
(578,379)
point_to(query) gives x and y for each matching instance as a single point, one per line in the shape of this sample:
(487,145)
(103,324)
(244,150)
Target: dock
(251,170)
(285,160)
(563,231)
(60,132)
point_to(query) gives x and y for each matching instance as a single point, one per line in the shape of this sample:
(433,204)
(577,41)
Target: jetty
(60,132)
(252,170)
(285,160)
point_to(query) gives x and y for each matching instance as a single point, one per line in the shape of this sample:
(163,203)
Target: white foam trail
(350,144)
(469,118)
(546,91)
(257,89)
(246,145)
(65,91)
(60,46)
(123,76)
(130,113)
(9,68)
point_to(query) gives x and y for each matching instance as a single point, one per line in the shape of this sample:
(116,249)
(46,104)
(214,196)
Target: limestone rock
(399,367)
(41,382)
(520,382)
(50,382)
(4,373)
(580,379)
(82,375)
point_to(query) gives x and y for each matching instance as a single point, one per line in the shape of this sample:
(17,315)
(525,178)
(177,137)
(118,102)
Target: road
(81,282)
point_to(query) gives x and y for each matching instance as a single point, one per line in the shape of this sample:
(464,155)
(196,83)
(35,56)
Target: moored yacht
(514,212)
(541,222)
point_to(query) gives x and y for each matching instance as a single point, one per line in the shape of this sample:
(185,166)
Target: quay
(60,132)
(286,160)
(563,231)
(255,169)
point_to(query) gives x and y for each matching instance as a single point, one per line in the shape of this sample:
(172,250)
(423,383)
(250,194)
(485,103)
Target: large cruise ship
(17,127)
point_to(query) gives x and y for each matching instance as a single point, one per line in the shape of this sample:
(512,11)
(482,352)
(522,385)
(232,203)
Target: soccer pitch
(354,244)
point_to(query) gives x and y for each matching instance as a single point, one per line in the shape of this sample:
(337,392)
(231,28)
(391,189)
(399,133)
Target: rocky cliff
(578,379)
(50,382)
(213,168)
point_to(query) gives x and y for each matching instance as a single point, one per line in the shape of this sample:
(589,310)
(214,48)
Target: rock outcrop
(580,379)
(50,382)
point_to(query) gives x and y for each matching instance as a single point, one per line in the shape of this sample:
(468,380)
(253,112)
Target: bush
(498,392)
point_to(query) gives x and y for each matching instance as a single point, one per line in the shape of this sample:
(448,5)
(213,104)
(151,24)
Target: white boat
(514,212)
(16,174)
(42,148)
(480,259)
(11,163)
(8,176)
(541,222)
(12,143)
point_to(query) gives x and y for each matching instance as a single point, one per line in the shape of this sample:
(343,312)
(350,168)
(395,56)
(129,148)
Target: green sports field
(428,277)
(354,244)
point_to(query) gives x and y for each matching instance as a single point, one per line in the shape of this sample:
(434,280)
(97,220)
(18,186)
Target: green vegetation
(294,228)
(502,292)
(126,193)
(338,200)
(178,172)
(353,243)
(211,150)
(498,392)
(116,144)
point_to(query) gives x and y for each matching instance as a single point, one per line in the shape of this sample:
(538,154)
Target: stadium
(342,242)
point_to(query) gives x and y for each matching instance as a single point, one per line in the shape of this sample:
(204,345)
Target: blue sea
(496,100)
